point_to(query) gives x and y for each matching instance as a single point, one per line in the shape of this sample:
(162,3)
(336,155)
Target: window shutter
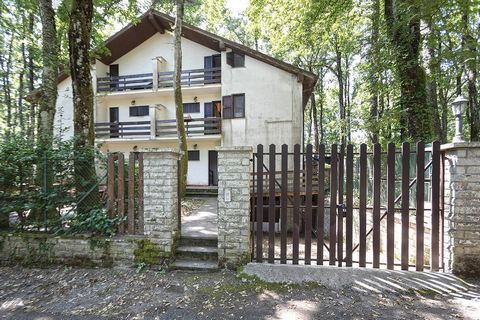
(227,107)
(230,58)
(208,64)
(208,109)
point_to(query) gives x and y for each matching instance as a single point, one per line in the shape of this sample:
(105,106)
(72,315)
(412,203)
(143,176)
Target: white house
(232,95)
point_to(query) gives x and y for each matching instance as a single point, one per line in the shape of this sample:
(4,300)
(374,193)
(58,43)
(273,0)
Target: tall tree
(50,51)
(403,25)
(177,88)
(79,37)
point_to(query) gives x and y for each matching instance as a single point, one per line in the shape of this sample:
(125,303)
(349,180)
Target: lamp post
(458,106)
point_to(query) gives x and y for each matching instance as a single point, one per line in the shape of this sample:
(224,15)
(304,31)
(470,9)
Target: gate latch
(343,206)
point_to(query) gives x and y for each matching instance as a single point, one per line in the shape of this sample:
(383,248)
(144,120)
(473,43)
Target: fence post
(160,197)
(461,198)
(234,183)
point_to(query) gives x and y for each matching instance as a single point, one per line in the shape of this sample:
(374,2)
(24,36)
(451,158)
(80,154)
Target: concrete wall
(462,203)
(234,185)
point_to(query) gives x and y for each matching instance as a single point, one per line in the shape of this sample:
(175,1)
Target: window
(193,107)
(235,59)
(234,106)
(139,111)
(194,155)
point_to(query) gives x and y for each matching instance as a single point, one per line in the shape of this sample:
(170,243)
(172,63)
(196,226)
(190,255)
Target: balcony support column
(153,121)
(155,74)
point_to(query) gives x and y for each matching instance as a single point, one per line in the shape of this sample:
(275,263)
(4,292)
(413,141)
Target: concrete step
(196,265)
(203,253)
(201,191)
(195,241)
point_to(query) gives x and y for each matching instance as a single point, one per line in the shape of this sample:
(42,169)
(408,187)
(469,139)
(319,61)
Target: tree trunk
(403,25)
(31,79)
(341,103)
(373,76)
(50,51)
(21,91)
(181,134)
(434,72)
(79,36)
(315,121)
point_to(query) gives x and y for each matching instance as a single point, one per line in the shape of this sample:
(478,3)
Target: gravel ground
(64,293)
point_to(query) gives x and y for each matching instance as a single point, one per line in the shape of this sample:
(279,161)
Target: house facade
(233,95)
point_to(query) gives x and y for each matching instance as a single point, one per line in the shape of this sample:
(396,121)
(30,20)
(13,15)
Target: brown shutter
(227,107)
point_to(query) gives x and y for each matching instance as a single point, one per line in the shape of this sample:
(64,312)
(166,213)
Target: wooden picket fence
(125,191)
(366,196)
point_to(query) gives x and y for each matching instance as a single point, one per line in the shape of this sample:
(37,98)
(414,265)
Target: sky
(237,6)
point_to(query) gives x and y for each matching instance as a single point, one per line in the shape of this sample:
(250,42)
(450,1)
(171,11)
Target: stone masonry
(462,208)
(234,205)
(161,197)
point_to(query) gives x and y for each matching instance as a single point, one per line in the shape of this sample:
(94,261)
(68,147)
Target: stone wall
(32,249)
(161,197)
(462,208)
(234,185)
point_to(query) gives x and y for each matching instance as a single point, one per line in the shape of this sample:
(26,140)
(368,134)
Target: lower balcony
(201,127)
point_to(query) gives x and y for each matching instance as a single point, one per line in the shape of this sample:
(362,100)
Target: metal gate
(348,206)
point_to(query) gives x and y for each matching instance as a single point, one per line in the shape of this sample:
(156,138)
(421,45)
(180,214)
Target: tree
(177,88)
(79,37)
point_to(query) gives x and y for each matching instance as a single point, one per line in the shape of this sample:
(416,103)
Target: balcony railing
(165,79)
(193,127)
(125,83)
(122,129)
(164,128)
(189,78)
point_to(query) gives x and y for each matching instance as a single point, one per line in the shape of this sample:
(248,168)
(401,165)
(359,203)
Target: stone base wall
(462,208)
(234,185)
(43,249)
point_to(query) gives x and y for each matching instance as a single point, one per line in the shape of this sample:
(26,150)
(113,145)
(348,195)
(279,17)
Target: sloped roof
(153,21)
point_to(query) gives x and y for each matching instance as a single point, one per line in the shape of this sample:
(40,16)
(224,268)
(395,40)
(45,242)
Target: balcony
(160,129)
(158,81)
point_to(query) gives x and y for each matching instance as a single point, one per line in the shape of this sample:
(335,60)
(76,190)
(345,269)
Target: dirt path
(62,293)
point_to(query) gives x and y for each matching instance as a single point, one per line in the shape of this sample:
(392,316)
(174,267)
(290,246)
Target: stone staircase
(202,191)
(196,253)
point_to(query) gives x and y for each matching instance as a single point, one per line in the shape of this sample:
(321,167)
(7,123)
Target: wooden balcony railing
(125,83)
(144,81)
(193,127)
(196,77)
(164,128)
(107,130)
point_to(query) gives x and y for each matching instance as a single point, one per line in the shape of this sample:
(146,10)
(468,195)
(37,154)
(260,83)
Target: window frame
(136,114)
(197,105)
(235,108)
(196,152)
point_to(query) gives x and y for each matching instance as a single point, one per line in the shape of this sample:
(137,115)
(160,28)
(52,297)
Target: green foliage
(96,222)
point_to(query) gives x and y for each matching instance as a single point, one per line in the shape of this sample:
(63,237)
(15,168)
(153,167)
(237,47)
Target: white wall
(273,105)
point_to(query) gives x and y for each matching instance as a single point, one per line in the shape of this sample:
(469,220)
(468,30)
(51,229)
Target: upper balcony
(157,82)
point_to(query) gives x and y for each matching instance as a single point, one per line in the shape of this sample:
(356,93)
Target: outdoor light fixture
(133,102)
(458,106)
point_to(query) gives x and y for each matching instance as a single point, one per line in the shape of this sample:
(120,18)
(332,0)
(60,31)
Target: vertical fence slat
(111,185)
(333,204)
(308,205)
(405,204)
(349,203)
(271,205)
(131,193)
(363,206)
(296,202)
(320,203)
(283,203)
(391,206)
(259,211)
(121,191)
(376,204)
(141,217)
(435,183)
(420,190)
(340,208)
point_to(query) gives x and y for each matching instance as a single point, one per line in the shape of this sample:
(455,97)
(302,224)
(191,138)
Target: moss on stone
(149,253)
(231,264)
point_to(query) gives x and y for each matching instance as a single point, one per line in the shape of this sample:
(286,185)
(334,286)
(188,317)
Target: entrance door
(114,119)
(212,168)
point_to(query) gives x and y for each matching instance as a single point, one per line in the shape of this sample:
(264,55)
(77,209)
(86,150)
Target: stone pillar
(161,197)
(234,185)
(462,208)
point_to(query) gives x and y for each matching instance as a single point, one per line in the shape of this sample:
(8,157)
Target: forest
(388,71)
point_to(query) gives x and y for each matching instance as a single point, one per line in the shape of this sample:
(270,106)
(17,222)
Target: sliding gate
(349,206)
